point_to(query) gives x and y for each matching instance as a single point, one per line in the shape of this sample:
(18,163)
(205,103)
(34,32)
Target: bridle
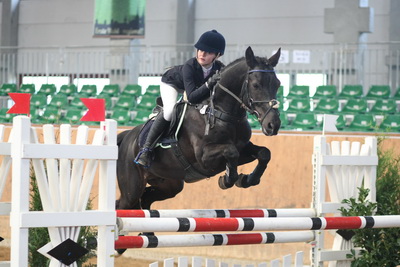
(249,105)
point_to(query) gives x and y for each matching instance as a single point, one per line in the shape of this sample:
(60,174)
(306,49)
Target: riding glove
(212,81)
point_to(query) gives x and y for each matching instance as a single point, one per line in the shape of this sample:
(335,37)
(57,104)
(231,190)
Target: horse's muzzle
(271,128)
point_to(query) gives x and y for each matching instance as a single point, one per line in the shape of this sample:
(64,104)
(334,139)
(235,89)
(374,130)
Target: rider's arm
(194,94)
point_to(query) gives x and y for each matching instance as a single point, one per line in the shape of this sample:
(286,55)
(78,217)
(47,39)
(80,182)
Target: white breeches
(169,96)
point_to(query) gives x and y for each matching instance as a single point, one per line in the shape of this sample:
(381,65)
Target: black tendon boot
(144,156)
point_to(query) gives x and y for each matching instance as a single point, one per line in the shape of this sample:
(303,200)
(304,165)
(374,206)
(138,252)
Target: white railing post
(20,192)
(343,166)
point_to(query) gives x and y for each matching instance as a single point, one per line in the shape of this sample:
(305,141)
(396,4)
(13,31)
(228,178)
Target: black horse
(214,136)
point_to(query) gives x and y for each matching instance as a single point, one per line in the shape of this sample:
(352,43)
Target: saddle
(169,135)
(168,140)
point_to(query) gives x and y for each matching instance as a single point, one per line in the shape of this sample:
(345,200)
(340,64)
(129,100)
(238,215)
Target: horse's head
(260,93)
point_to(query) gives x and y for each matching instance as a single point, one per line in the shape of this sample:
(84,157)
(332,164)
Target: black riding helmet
(211,42)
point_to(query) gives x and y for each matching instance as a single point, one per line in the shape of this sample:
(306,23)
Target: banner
(119,18)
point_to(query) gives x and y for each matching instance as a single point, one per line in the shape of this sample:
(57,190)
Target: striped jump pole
(217,213)
(254,224)
(195,240)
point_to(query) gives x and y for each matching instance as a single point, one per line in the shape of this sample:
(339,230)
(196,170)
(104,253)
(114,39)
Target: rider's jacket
(189,77)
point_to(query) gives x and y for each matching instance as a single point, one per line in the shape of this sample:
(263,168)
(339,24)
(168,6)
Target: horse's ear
(273,61)
(250,59)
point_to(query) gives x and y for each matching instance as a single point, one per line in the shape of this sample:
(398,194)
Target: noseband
(249,106)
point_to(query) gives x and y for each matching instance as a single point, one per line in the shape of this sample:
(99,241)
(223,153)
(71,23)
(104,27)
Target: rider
(197,77)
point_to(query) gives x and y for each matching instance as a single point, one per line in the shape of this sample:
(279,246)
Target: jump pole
(254,224)
(195,240)
(216,213)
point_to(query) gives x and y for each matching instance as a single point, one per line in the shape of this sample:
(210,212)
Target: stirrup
(144,150)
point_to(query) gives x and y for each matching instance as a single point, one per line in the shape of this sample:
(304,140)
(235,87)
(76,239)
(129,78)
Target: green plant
(379,247)
(39,237)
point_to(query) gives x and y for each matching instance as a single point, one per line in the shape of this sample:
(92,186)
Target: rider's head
(211,42)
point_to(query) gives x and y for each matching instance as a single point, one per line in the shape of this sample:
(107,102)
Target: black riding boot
(156,130)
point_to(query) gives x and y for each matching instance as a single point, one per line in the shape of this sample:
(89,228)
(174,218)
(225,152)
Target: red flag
(22,103)
(96,109)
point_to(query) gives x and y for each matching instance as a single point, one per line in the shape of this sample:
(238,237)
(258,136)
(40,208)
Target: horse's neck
(234,83)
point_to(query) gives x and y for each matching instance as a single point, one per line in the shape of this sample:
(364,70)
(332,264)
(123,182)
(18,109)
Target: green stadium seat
(384,106)
(147,102)
(141,116)
(72,115)
(351,91)
(77,102)
(27,88)
(397,94)
(108,100)
(51,115)
(297,105)
(299,91)
(111,90)
(362,122)
(59,101)
(122,116)
(353,106)
(88,90)
(153,90)
(340,122)
(47,89)
(305,121)
(125,102)
(8,88)
(68,89)
(325,91)
(38,101)
(378,92)
(132,90)
(285,123)
(391,123)
(5,117)
(327,105)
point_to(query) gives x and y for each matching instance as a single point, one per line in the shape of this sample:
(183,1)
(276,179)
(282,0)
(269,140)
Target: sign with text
(301,56)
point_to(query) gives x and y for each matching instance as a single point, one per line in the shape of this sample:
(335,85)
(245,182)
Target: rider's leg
(168,95)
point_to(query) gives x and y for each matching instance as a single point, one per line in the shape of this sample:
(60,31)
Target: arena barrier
(343,166)
(254,224)
(212,239)
(221,213)
(65,173)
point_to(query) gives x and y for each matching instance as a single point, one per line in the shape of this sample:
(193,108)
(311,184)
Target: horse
(213,136)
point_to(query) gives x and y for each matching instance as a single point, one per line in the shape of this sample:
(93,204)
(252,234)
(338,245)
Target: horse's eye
(256,85)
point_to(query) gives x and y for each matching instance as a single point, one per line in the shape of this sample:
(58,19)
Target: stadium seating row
(347,92)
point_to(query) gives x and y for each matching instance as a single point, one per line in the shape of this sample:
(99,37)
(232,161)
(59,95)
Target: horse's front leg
(250,153)
(230,155)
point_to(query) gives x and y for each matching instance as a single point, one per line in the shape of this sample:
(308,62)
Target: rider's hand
(212,81)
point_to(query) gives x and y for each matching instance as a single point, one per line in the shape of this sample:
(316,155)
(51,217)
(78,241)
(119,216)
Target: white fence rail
(203,262)
(375,63)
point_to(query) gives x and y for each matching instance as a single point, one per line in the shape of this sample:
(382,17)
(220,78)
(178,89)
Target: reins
(211,111)
(273,103)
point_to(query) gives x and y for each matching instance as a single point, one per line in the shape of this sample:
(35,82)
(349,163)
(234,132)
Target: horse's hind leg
(160,189)
(250,153)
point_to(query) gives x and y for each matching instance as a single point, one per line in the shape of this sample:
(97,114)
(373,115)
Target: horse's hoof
(242,181)
(222,184)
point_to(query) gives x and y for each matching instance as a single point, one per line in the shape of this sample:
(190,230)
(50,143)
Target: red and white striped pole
(195,240)
(216,213)
(254,224)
